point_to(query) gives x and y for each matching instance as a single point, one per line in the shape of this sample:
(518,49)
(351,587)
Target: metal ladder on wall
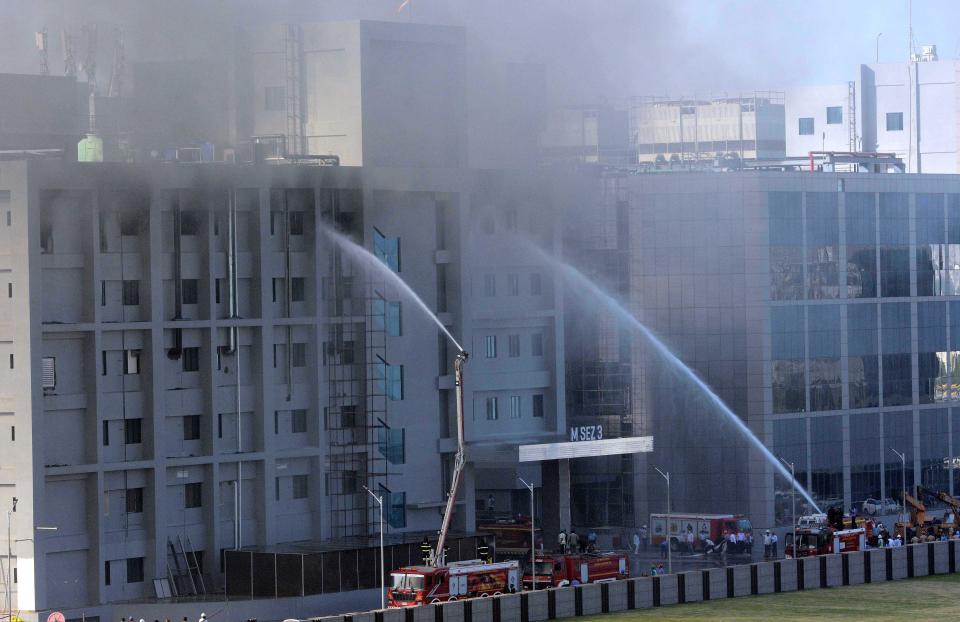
(188,578)
(852,114)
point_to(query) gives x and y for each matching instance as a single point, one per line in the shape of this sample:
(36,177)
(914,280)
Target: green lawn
(928,598)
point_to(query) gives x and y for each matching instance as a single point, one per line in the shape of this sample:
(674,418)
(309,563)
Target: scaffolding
(293,100)
(356,399)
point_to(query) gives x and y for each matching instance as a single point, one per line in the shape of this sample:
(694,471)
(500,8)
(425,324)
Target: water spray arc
(371,263)
(579,279)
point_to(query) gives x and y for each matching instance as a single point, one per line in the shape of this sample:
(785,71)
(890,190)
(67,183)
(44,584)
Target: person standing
(562,542)
(766,544)
(573,540)
(636,543)
(644,538)
(773,545)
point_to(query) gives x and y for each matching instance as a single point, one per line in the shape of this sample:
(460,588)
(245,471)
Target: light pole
(903,480)
(666,476)
(533,539)
(383,591)
(10,543)
(793,504)
(878,46)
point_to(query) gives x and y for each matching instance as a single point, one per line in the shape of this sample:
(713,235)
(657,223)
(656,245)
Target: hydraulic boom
(458,462)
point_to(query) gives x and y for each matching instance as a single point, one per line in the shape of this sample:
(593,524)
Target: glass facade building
(823,308)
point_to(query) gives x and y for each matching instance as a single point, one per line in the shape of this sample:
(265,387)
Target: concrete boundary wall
(788,575)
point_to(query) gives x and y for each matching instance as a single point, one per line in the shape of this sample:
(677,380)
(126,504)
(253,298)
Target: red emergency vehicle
(560,570)
(420,585)
(682,526)
(816,536)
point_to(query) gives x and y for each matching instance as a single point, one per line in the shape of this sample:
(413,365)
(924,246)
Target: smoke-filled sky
(593,48)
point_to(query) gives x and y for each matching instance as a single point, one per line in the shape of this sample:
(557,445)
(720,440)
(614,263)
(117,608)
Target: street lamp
(533,539)
(666,476)
(903,480)
(383,592)
(878,46)
(793,503)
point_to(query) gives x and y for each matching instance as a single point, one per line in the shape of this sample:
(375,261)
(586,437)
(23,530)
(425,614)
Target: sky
(594,49)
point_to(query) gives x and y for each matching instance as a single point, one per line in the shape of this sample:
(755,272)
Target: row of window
(493,407)
(513,284)
(805,127)
(513,345)
(133,428)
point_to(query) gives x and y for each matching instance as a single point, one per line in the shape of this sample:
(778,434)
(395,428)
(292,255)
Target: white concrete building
(134,396)
(910,109)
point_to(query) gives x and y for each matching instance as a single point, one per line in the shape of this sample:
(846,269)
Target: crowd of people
(575,543)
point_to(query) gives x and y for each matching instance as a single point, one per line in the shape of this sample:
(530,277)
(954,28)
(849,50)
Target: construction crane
(69,62)
(947,499)
(439,556)
(42,47)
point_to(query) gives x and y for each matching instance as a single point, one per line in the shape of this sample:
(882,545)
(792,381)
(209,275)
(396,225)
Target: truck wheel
(435,601)
(484,595)
(497,594)
(452,599)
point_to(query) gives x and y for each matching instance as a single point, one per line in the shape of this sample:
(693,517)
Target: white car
(875,507)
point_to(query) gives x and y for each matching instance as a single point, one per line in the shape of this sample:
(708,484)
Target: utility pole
(878,47)
(42,47)
(533,539)
(383,591)
(793,504)
(666,476)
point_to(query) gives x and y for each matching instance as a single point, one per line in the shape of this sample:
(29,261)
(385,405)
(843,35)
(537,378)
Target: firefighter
(644,538)
(562,542)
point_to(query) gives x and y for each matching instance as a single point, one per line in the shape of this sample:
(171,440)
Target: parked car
(875,507)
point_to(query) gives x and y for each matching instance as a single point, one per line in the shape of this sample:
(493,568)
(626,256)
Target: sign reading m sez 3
(586,433)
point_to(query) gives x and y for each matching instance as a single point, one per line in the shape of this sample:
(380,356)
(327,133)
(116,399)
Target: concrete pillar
(555,499)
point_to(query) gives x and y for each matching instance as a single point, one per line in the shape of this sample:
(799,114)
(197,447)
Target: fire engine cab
(561,570)
(419,585)
(817,536)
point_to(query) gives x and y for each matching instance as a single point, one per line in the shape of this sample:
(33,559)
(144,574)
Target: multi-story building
(372,93)
(821,308)
(192,366)
(907,108)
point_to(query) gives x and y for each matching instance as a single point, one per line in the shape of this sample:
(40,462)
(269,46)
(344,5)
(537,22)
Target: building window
(387,249)
(297,289)
(513,346)
(131,293)
(489,285)
(395,382)
(834,115)
(513,284)
(296,222)
(134,500)
(391,443)
(133,431)
(514,406)
(189,223)
(273,98)
(492,409)
(48,373)
(189,291)
(396,503)
(129,224)
(894,121)
(106,433)
(490,346)
(806,126)
(106,573)
(191,359)
(135,570)
(9,290)
(538,406)
(193,495)
(298,421)
(191,427)
(536,344)
(511,219)
(301,489)
(536,284)
(299,354)
(131,362)
(216,290)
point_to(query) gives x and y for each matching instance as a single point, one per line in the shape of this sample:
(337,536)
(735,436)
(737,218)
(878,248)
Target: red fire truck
(419,585)
(560,570)
(825,540)
(682,526)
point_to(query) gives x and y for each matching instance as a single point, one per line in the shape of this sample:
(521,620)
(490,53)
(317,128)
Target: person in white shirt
(773,545)
(766,544)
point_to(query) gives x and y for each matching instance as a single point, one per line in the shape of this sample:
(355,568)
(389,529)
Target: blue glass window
(387,249)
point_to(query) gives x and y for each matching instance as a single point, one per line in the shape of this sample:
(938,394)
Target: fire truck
(714,526)
(419,585)
(512,535)
(561,570)
(820,535)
